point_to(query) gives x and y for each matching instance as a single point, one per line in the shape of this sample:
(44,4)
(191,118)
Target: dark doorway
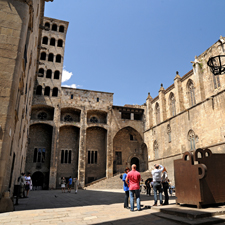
(38,180)
(135,161)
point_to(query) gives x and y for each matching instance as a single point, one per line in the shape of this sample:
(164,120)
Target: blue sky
(130,47)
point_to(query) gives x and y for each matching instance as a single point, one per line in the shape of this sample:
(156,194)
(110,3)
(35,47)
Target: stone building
(20,35)
(187,115)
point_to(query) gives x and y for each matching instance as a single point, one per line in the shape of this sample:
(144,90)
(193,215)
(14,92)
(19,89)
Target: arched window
(58,59)
(54,27)
(42,116)
(50,57)
(61,29)
(172,104)
(68,118)
(157,112)
(191,92)
(55,92)
(49,74)
(47,91)
(41,72)
(56,75)
(191,139)
(169,133)
(39,90)
(52,41)
(43,56)
(156,149)
(216,81)
(60,43)
(47,25)
(45,40)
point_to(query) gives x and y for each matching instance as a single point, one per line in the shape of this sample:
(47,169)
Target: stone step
(190,221)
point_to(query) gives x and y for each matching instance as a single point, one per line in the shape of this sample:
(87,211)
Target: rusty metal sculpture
(200,178)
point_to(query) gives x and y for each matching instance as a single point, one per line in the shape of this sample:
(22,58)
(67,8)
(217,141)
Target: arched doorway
(135,161)
(37,180)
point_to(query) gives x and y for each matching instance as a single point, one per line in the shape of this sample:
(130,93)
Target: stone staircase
(112,183)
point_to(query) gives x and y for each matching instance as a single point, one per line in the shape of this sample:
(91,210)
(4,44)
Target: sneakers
(155,205)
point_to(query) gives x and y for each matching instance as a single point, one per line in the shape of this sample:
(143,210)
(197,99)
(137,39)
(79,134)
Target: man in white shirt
(156,175)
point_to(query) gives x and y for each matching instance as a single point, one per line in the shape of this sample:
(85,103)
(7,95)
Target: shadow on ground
(47,199)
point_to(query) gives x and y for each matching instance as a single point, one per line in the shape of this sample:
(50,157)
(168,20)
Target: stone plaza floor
(86,207)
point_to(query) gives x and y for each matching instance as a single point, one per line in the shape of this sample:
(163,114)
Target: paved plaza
(86,207)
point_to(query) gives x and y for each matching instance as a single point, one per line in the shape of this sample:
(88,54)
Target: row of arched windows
(55,27)
(51,56)
(47,91)
(41,73)
(52,42)
(172,101)
(192,139)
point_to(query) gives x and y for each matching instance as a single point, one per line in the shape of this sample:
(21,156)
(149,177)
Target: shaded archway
(127,144)
(37,180)
(135,161)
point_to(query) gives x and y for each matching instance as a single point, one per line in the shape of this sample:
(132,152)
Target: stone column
(149,116)
(82,148)
(198,79)
(109,157)
(132,116)
(179,101)
(162,103)
(54,149)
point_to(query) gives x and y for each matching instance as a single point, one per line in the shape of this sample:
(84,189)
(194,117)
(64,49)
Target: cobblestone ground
(86,207)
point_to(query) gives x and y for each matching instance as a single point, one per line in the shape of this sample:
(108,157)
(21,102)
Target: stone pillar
(198,79)
(162,103)
(132,116)
(109,159)
(149,111)
(82,148)
(179,101)
(54,149)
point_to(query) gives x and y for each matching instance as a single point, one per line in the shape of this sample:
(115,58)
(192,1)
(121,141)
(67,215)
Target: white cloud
(66,75)
(71,86)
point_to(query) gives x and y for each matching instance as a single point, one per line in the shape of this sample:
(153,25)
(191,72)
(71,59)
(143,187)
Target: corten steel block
(202,183)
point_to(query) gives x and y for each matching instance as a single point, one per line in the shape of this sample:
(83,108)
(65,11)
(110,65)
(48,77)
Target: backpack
(121,176)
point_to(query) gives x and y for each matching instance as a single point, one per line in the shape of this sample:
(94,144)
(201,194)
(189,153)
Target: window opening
(60,43)
(71,96)
(35,155)
(45,40)
(61,29)
(172,105)
(68,118)
(43,56)
(52,41)
(216,81)
(42,116)
(49,74)
(69,160)
(125,115)
(55,92)
(62,156)
(97,99)
(54,27)
(56,75)
(191,93)
(50,57)
(157,109)
(47,91)
(137,116)
(66,156)
(94,120)
(92,157)
(47,25)
(169,133)
(39,155)
(131,137)
(41,72)
(39,90)
(191,138)
(58,59)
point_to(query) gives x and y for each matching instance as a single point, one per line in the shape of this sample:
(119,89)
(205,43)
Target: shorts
(70,186)
(63,185)
(27,187)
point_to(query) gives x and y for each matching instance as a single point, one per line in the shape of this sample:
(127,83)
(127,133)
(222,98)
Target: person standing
(148,186)
(133,180)
(28,184)
(63,184)
(70,184)
(126,188)
(156,175)
(165,186)
(76,184)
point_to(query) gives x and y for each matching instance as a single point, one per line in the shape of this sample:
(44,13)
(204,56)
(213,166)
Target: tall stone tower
(45,116)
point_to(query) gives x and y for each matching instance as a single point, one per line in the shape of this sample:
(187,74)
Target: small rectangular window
(89,157)
(43,155)
(66,156)
(71,96)
(97,99)
(118,158)
(92,157)
(39,155)
(125,115)
(35,155)
(96,157)
(70,154)
(62,156)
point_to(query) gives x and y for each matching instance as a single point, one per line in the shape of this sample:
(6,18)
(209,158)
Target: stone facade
(187,115)
(20,34)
